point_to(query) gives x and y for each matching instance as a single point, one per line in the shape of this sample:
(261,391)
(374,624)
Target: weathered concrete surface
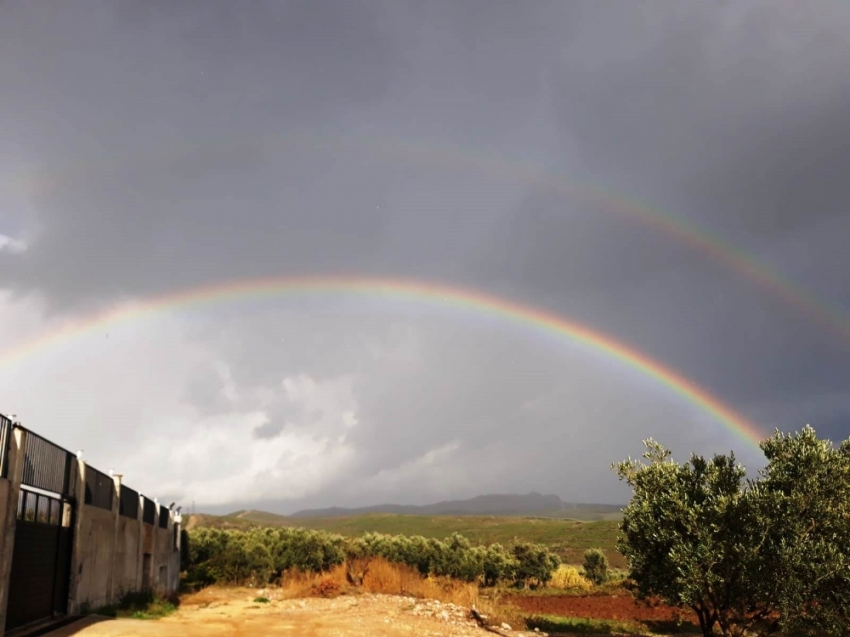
(5,488)
(126,574)
(9,492)
(95,542)
(111,554)
(6,535)
(163,559)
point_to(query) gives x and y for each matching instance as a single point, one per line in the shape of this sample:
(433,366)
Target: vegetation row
(260,556)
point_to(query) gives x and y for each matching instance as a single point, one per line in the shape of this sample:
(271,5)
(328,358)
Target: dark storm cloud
(169,144)
(268,430)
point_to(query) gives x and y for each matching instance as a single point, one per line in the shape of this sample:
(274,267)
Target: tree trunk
(706,622)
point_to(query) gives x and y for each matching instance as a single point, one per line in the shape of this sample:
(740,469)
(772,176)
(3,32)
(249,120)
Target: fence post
(176,562)
(116,512)
(154,577)
(77,542)
(140,553)
(9,515)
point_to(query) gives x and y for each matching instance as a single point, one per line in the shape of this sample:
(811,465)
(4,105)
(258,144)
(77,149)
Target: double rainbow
(419,291)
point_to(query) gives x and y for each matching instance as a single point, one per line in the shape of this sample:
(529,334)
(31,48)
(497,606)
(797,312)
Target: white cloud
(118,393)
(12,245)
(218,461)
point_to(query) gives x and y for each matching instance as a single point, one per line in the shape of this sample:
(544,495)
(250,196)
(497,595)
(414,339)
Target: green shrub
(535,564)
(595,566)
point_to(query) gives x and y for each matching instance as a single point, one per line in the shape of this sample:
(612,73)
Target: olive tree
(595,566)
(803,498)
(763,556)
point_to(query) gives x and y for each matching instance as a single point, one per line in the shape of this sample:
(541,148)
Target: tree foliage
(765,556)
(261,555)
(595,566)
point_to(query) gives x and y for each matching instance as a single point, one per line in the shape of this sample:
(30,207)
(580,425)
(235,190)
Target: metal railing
(100,488)
(148,511)
(5,442)
(48,466)
(39,507)
(128,505)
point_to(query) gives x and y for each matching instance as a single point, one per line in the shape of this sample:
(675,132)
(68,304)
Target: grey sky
(151,147)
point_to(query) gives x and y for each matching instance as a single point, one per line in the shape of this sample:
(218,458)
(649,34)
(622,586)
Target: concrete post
(77,549)
(9,515)
(154,574)
(116,508)
(176,520)
(140,561)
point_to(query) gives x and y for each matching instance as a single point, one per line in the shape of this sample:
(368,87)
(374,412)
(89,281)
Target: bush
(139,605)
(259,556)
(534,564)
(595,566)
(569,577)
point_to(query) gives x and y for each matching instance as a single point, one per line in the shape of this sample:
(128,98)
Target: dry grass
(383,577)
(569,577)
(296,583)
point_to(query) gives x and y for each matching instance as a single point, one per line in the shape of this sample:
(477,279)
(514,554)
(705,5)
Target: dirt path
(234,613)
(620,607)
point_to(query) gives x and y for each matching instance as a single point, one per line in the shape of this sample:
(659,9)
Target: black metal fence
(100,488)
(149,511)
(39,507)
(48,466)
(5,441)
(128,505)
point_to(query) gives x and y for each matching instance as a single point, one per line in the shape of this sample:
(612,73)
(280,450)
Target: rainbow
(679,228)
(455,297)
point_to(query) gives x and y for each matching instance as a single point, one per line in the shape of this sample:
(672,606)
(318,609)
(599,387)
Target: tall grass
(569,577)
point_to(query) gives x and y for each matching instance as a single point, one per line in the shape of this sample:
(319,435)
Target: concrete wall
(163,559)
(9,491)
(5,489)
(109,550)
(127,570)
(95,543)
(112,551)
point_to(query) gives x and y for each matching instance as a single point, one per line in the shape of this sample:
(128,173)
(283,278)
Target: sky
(671,176)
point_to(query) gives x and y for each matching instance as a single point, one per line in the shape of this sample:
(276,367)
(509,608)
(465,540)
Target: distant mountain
(530,504)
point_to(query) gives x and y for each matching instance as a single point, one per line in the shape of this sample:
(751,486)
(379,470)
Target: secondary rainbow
(677,227)
(422,291)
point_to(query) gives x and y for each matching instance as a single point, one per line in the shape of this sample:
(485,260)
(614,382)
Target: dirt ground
(234,613)
(621,607)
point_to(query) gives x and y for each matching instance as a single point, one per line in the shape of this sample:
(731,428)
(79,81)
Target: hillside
(491,504)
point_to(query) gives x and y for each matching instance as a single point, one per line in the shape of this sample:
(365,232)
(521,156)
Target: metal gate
(38,586)
(41,560)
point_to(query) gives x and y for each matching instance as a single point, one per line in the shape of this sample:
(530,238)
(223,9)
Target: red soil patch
(620,607)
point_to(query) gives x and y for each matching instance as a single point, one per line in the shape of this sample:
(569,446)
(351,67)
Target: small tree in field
(804,497)
(595,566)
(679,531)
(760,557)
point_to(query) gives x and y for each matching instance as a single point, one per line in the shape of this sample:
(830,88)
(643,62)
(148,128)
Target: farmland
(566,537)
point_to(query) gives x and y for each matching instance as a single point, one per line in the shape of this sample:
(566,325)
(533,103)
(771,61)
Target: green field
(568,538)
